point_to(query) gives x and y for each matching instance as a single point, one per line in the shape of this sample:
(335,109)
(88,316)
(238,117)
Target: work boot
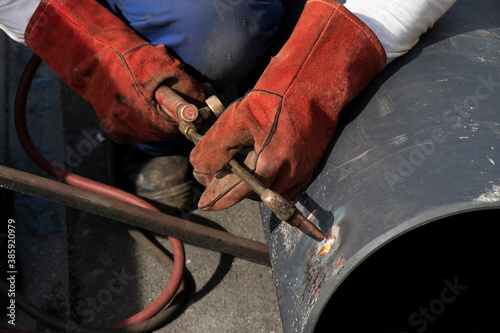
(165,181)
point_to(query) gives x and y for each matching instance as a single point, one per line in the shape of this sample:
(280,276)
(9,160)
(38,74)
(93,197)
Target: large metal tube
(421,144)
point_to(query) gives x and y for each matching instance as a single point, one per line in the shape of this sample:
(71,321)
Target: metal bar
(157,222)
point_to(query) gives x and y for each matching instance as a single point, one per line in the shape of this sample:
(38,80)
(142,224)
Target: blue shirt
(220,41)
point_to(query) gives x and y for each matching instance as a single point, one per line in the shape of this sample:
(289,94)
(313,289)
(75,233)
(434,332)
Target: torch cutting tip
(307,227)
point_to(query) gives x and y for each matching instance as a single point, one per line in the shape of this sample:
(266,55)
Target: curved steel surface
(420,144)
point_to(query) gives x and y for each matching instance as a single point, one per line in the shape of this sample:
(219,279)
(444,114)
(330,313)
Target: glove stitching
(376,43)
(312,47)
(273,128)
(38,20)
(213,202)
(122,57)
(282,97)
(75,24)
(136,85)
(135,49)
(275,122)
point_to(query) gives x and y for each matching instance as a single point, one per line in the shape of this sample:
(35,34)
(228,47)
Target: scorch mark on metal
(397,140)
(330,241)
(492,195)
(338,265)
(385,103)
(354,159)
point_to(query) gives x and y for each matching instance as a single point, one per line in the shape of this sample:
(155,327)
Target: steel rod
(157,222)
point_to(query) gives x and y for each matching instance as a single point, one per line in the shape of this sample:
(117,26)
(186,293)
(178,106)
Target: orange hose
(96,187)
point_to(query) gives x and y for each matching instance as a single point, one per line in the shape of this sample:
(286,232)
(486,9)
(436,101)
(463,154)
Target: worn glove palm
(109,65)
(290,116)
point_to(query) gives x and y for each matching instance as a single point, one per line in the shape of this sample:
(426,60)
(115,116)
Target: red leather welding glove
(290,116)
(109,65)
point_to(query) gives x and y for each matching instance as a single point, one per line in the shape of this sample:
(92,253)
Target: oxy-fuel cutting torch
(189,116)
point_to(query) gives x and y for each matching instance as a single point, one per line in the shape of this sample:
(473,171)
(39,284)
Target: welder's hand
(290,116)
(108,64)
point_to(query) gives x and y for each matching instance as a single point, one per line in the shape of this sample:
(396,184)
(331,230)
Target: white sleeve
(15,15)
(398,24)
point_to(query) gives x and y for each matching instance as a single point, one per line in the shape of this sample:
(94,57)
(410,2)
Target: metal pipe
(421,143)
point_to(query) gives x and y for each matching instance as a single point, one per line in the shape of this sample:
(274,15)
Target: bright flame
(332,237)
(328,244)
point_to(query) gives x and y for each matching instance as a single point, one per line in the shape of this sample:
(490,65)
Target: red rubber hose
(96,187)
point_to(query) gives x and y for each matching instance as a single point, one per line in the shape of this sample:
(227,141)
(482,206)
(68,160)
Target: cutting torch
(189,116)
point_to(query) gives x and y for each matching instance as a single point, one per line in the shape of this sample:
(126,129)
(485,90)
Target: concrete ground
(69,257)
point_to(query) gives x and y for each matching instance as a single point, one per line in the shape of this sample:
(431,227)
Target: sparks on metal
(328,244)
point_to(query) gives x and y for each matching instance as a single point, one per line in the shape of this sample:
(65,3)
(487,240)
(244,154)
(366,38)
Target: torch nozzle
(307,227)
